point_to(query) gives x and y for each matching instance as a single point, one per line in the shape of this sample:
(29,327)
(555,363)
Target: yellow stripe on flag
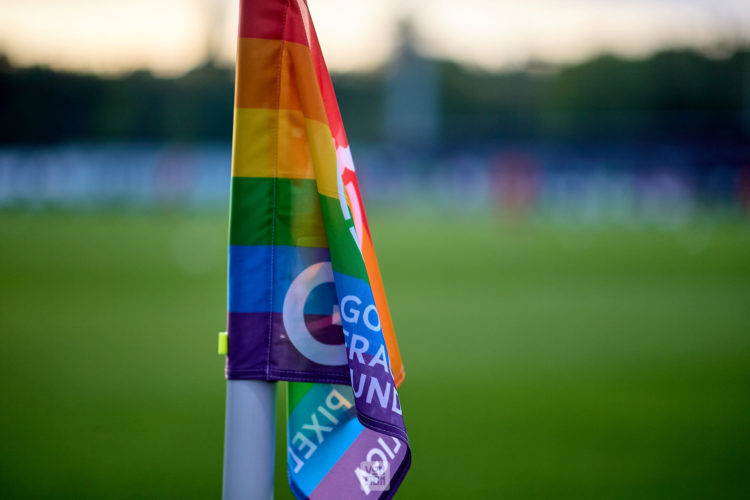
(304,147)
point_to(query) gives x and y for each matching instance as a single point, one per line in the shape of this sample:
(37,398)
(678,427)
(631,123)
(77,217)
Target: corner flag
(306,300)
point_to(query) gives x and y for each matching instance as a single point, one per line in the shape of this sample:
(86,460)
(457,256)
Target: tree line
(677,93)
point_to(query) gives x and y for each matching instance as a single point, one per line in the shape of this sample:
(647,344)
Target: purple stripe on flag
(253,354)
(376,393)
(369,446)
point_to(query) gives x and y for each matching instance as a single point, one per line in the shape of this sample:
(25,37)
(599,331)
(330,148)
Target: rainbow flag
(306,300)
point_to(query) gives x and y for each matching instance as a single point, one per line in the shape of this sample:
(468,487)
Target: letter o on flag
(366,315)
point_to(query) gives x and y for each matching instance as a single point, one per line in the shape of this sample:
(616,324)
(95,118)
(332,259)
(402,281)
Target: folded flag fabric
(306,300)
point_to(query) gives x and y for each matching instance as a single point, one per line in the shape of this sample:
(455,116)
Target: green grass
(541,362)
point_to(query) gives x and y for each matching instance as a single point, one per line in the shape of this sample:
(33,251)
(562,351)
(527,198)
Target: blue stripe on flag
(358,313)
(250,278)
(335,443)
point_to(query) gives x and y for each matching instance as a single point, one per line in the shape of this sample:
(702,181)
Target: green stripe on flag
(345,256)
(296,392)
(298,218)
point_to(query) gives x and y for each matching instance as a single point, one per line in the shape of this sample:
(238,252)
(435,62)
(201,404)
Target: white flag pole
(249,440)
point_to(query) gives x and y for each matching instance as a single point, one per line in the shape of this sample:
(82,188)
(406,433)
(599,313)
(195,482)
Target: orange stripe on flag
(386,323)
(264,64)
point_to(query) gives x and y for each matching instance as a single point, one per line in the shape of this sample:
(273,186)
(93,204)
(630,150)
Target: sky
(171,36)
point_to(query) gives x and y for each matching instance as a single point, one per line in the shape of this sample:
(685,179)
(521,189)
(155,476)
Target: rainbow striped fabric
(306,301)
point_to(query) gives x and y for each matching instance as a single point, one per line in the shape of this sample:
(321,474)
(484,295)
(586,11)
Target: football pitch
(541,361)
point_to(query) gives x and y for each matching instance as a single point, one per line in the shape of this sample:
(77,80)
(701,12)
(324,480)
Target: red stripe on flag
(279,20)
(329,97)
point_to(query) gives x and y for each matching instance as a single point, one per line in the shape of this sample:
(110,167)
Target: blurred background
(560,198)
